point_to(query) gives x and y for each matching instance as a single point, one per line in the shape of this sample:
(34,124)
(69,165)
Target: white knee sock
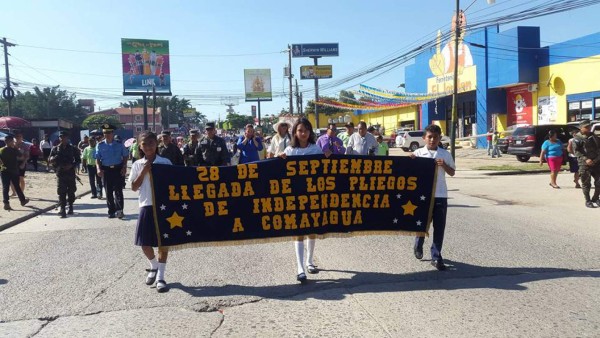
(299,245)
(153,263)
(161,271)
(310,249)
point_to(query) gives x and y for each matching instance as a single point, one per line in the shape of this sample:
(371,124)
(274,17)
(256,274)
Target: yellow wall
(573,77)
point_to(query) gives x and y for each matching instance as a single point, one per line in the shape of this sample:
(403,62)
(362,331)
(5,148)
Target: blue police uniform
(111,156)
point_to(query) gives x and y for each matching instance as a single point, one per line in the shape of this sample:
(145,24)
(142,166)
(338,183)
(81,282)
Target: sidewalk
(40,188)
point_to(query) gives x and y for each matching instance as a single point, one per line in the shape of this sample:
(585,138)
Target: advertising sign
(189,113)
(316,72)
(315,50)
(519,106)
(547,110)
(258,84)
(146,66)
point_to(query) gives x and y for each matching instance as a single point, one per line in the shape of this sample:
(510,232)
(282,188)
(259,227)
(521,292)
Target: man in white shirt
(362,143)
(445,165)
(280,141)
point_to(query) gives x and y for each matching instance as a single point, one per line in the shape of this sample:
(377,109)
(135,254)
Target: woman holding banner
(303,143)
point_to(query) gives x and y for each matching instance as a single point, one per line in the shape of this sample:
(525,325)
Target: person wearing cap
(279,141)
(587,149)
(329,141)
(89,161)
(212,149)
(65,158)
(249,145)
(169,150)
(111,163)
(362,143)
(345,136)
(9,168)
(189,149)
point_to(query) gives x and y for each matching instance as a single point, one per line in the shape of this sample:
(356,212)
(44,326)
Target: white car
(413,140)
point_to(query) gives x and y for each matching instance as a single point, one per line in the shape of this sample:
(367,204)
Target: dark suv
(526,141)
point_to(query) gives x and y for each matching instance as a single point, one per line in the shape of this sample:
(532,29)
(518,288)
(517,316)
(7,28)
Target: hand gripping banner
(278,199)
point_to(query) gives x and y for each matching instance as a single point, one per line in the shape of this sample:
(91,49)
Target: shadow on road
(3,281)
(462,206)
(459,276)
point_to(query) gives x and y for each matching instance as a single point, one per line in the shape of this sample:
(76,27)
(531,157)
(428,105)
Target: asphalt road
(523,262)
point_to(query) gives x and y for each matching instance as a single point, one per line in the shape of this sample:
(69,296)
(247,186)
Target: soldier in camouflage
(169,150)
(189,149)
(65,157)
(587,149)
(212,150)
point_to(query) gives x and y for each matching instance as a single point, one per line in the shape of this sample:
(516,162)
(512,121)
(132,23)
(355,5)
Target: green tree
(238,121)
(49,102)
(97,120)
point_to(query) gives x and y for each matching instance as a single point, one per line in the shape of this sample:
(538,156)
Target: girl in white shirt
(304,143)
(145,235)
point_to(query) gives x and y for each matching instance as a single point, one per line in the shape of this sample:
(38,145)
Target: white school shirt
(145,190)
(312,149)
(441,190)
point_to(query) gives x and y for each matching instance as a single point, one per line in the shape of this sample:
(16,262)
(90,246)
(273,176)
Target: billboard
(519,106)
(146,66)
(258,84)
(316,72)
(315,50)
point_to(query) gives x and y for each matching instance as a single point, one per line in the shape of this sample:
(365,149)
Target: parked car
(526,142)
(413,140)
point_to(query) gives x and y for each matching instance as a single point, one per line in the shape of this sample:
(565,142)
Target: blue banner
(278,199)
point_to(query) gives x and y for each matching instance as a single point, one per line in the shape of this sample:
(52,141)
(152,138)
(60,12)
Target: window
(138,118)
(138,129)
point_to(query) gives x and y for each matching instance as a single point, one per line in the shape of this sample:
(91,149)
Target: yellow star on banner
(409,208)
(175,220)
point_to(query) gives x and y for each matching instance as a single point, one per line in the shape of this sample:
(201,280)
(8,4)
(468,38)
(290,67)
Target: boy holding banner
(445,165)
(145,235)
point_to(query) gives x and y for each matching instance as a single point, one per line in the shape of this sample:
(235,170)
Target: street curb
(514,172)
(35,213)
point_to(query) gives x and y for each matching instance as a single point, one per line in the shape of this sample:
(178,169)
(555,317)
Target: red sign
(518,105)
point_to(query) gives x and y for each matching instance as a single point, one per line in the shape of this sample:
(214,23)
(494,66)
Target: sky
(77,43)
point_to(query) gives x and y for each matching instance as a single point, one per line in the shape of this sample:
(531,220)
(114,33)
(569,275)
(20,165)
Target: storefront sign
(316,72)
(519,106)
(444,84)
(574,105)
(586,104)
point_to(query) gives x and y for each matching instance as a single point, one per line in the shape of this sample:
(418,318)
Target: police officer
(189,149)
(65,158)
(169,150)
(212,150)
(111,163)
(587,149)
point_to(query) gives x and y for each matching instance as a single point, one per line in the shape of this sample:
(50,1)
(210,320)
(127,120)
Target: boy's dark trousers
(7,179)
(440,208)
(95,180)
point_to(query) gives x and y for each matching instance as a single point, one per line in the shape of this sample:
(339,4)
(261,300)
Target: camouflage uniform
(212,152)
(588,147)
(65,158)
(172,153)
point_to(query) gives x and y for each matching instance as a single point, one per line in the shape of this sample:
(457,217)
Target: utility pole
(298,98)
(8,93)
(290,78)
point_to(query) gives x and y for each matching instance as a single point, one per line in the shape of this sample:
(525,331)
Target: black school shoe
(161,286)
(151,277)
(111,216)
(418,253)
(438,264)
(302,278)
(589,204)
